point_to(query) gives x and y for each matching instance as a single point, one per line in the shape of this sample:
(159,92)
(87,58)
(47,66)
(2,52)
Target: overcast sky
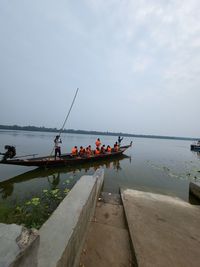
(136,64)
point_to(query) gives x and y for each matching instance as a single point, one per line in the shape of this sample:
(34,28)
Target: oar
(26,156)
(68,112)
(67,116)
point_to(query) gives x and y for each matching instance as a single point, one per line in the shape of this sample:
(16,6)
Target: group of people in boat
(88,151)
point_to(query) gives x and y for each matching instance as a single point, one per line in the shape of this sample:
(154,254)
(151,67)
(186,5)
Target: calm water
(154,165)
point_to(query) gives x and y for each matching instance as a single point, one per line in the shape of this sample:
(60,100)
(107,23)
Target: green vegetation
(44,129)
(34,212)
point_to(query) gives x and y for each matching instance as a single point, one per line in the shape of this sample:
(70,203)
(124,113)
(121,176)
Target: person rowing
(57,142)
(10,153)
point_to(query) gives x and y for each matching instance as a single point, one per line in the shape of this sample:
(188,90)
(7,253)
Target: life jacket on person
(98,143)
(103,149)
(81,151)
(97,151)
(116,147)
(108,149)
(88,151)
(74,151)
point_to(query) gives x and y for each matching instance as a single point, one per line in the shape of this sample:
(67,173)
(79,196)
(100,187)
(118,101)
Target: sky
(136,64)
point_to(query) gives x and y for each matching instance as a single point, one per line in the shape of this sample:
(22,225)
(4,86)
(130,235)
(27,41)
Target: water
(153,165)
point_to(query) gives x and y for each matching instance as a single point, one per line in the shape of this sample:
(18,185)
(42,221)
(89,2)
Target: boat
(64,160)
(43,173)
(195,147)
(55,175)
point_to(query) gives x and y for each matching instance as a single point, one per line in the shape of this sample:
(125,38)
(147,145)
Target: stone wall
(59,241)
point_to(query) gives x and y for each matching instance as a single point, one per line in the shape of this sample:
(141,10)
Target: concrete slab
(111,198)
(18,246)
(165,231)
(108,241)
(106,246)
(9,248)
(112,215)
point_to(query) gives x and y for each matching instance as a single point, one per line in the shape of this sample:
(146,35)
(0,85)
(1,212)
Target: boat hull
(65,160)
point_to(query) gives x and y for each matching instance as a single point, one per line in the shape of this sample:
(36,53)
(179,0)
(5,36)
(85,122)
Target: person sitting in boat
(74,151)
(81,151)
(88,151)
(10,153)
(98,143)
(108,149)
(116,147)
(97,151)
(103,149)
(57,142)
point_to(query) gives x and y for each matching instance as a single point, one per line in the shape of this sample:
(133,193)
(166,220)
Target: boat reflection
(54,180)
(196,153)
(53,175)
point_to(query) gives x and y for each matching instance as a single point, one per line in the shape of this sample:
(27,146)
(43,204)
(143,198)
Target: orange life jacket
(109,149)
(97,143)
(88,151)
(116,148)
(81,151)
(74,151)
(97,151)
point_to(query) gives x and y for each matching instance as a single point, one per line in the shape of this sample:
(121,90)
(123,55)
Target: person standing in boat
(119,140)
(57,142)
(98,143)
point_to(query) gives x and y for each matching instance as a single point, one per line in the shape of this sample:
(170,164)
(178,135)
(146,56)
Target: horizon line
(49,129)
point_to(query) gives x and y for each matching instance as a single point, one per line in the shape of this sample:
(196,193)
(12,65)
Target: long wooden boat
(65,160)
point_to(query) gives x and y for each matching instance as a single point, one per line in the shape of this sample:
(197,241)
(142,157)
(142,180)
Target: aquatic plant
(34,212)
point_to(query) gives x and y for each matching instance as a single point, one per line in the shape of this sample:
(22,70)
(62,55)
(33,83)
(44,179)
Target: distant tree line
(72,131)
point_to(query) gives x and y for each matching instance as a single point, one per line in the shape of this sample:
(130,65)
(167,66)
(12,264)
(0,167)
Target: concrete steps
(142,229)
(108,242)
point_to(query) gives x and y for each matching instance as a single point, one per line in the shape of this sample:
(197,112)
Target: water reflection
(54,180)
(56,177)
(6,190)
(196,153)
